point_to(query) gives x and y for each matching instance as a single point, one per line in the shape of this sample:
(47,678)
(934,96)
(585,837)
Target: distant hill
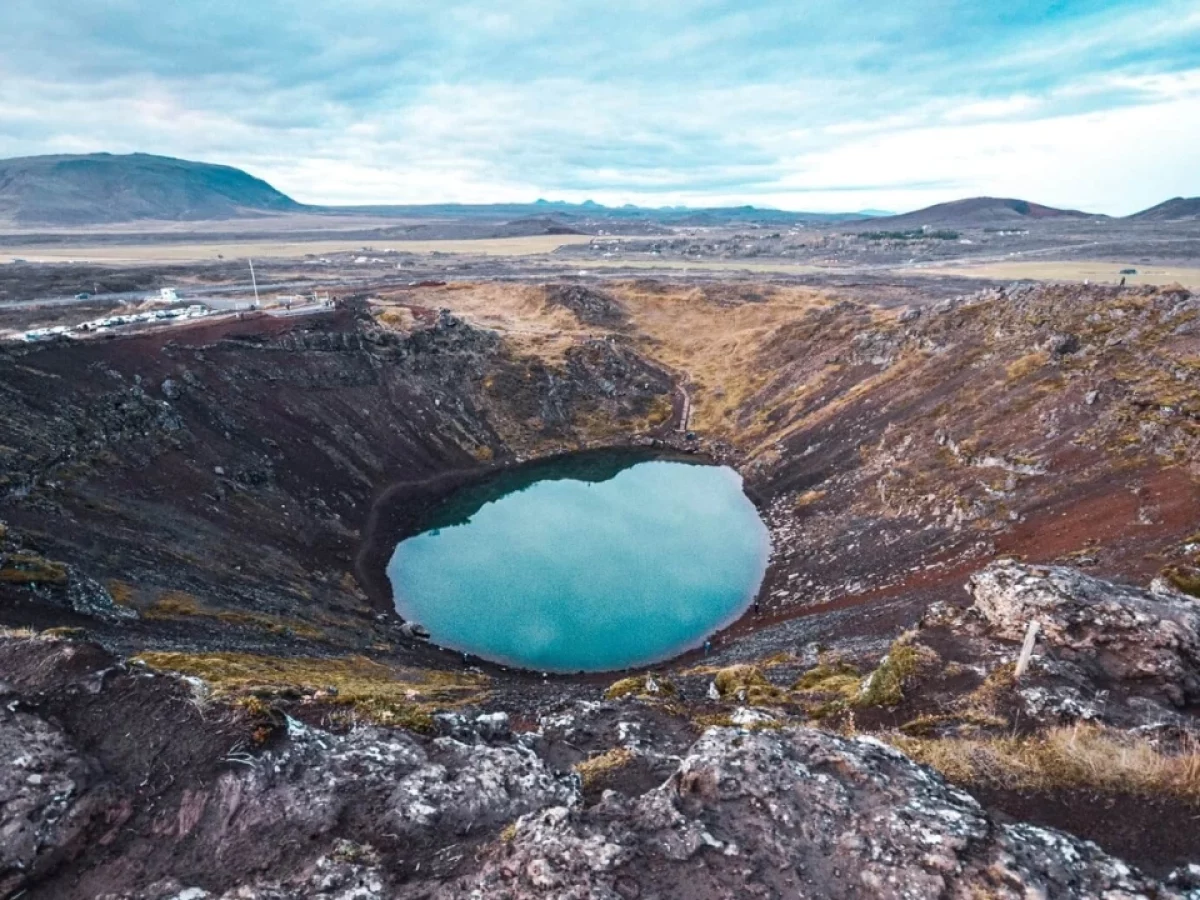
(977,212)
(99,188)
(595,213)
(1172,210)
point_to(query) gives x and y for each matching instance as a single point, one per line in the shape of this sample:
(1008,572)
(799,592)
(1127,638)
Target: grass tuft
(178,604)
(747,684)
(1184,578)
(1084,756)
(646,687)
(593,770)
(29,568)
(904,661)
(1026,365)
(379,693)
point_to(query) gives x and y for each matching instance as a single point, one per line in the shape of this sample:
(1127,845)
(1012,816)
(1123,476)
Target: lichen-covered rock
(415,788)
(42,818)
(1133,635)
(793,813)
(349,873)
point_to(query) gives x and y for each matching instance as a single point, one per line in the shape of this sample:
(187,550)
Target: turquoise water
(570,575)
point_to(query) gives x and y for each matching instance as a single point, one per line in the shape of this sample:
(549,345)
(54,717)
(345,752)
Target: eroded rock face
(789,813)
(318,779)
(793,813)
(591,306)
(1133,635)
(41,781)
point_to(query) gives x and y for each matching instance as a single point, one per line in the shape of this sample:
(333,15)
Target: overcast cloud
(834,105)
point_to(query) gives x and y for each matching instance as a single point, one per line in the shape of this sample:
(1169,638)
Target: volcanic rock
(1132,635)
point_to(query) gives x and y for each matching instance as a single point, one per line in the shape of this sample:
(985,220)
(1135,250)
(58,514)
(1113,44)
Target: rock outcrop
(590,306)
(794,813)
(1148,639)
(378,813)
(44,808)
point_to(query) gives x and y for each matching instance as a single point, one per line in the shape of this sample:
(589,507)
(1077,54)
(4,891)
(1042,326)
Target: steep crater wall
(220,475)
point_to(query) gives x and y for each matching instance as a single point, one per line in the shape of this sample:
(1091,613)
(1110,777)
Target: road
(209,296)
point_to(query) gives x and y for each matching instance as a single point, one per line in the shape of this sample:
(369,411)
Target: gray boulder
(1146,638)
(42,817)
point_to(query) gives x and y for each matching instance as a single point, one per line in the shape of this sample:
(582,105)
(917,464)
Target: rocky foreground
(129,784)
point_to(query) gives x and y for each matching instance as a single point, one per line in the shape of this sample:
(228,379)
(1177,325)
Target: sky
(837,105)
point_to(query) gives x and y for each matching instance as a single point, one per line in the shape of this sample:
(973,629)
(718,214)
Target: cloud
(826,106)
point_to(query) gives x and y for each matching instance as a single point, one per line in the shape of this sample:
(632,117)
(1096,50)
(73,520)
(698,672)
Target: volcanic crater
(195,521)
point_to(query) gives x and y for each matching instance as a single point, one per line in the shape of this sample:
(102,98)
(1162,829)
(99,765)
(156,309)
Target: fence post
(1027,649)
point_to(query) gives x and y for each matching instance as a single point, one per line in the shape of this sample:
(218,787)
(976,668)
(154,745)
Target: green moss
(592,771)
(1184,578)
(885,686)
(647,687)
(834,676)
(747,684)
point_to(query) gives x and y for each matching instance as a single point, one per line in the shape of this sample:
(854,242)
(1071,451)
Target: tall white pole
(254,282)
(1027,649)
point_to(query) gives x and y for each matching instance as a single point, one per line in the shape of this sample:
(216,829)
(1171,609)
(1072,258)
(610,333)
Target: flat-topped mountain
(98,188)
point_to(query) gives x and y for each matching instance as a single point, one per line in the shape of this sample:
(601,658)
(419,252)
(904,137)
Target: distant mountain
(590,211)
(99,188)
(1172,210)
(977,212)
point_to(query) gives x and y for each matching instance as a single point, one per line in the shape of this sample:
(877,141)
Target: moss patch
(830,677)
(1184,578)
(379,693)
(747,684)
(121,592)
(592,771)
(29,568)
(179,604)
(905,660)
(646,687)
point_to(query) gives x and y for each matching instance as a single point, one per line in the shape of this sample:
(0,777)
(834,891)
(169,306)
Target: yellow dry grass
(715,348)
(150,253)
(1026,365)
(29,568)
(899,371)
(517,311)
(178,604)
(593,770)
(1097,272)
(388,695)
(397,318)
(1081,756)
